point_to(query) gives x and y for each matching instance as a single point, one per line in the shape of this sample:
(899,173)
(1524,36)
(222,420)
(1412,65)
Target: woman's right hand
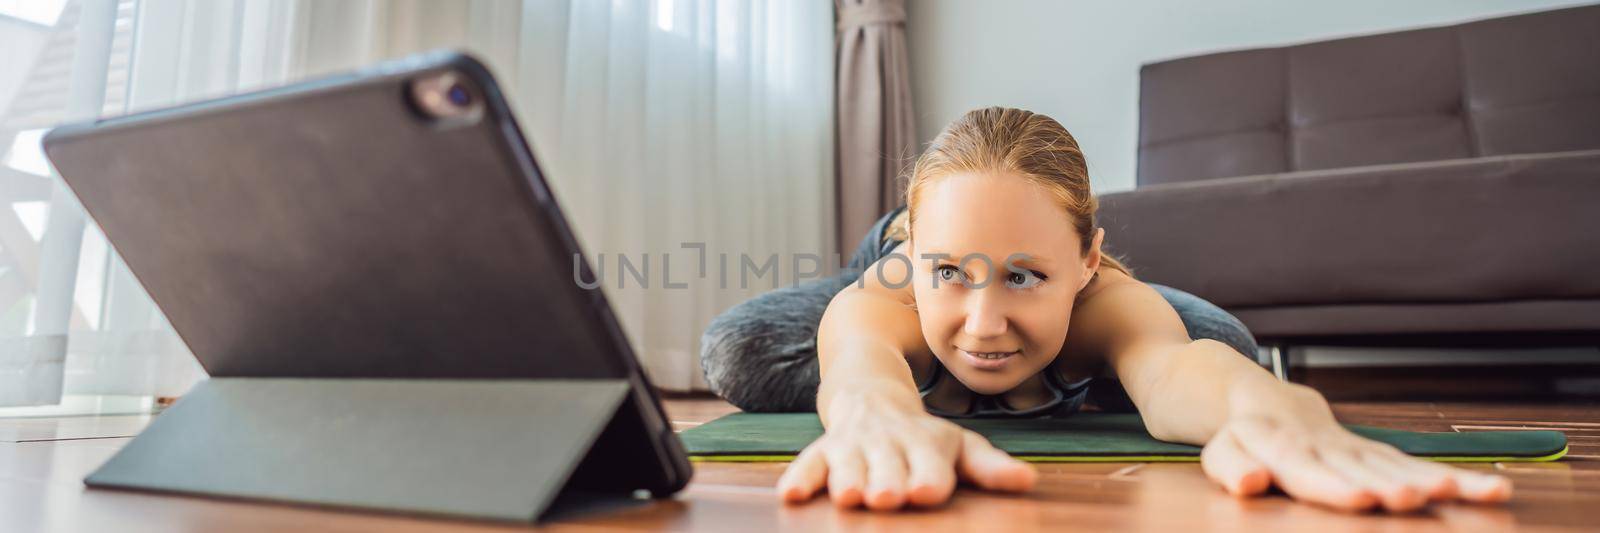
(885,456)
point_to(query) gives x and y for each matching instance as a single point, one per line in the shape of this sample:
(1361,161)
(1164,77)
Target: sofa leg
(1278,358)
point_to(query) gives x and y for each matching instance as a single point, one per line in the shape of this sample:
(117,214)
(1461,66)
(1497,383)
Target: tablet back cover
(328,230)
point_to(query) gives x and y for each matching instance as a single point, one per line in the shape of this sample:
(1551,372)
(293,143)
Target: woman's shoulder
(891,275)
(1112,306)
(1108,281)
(1114,296)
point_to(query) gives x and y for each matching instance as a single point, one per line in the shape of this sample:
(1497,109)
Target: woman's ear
(1091,261)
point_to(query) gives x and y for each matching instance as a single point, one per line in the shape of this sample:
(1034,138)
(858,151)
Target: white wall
(1078,61)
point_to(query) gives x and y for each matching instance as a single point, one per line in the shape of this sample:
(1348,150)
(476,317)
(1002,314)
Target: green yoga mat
(1092,437)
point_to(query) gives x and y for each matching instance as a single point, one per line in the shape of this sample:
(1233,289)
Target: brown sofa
(1438,186)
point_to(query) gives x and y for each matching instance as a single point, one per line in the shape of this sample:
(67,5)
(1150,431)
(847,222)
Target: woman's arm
(862,343)
(881,448)
(1257,431)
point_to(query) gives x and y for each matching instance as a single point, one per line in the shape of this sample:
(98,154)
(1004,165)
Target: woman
(989,296)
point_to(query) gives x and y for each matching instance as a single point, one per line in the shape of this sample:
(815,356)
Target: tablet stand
(492,449)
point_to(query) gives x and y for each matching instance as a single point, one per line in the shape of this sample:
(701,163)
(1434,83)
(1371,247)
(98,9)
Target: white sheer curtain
(81,325)
(692,121)
(660,123)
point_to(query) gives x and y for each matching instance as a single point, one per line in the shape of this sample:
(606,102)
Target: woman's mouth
(989,360)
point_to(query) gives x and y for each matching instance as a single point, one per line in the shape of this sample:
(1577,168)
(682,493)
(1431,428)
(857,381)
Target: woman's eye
(1023,280)
(947,273)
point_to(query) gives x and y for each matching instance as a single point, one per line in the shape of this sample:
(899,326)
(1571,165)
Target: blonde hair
(1011,141)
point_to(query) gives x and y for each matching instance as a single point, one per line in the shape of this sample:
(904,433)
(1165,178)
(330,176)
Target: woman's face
(1001,317)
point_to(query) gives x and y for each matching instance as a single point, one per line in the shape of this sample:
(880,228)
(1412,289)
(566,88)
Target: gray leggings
(761,355)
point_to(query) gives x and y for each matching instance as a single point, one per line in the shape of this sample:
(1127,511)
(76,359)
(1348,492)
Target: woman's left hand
(1321,462)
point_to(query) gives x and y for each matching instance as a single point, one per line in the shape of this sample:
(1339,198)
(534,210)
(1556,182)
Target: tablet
(387,223)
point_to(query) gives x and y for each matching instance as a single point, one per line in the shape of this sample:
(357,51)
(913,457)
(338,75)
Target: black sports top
(1066,398)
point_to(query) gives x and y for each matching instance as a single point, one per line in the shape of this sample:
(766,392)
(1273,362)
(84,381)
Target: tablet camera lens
(458,95)
(445,98)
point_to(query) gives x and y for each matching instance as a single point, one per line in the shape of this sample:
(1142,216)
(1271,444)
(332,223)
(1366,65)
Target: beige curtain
(876,128)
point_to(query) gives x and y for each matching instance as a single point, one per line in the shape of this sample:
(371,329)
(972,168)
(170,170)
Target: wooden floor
(42,463)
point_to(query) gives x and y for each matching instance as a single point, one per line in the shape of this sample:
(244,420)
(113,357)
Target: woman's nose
(985,316)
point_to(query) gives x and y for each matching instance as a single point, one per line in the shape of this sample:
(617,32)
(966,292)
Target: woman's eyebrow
(1029,260)
(1019,258)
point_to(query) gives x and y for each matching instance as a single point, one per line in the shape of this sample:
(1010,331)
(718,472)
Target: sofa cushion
(1458,320)
(1533,81)
(1477,230)
(1511,85)
(1241,130)
(1390,98)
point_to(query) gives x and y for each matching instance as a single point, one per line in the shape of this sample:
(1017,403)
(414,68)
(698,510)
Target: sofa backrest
(1512,85)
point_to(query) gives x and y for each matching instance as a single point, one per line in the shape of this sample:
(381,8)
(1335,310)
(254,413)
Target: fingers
(1342,470)
(875,476)
(886,477)
(1297,469)
(847,472)
(1435,481)
(1392,490)
(990,468)
(882,463)
(804,477)
(932,478)
(1482,488)
(1468,485)
(1303,475)
(1226,463)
